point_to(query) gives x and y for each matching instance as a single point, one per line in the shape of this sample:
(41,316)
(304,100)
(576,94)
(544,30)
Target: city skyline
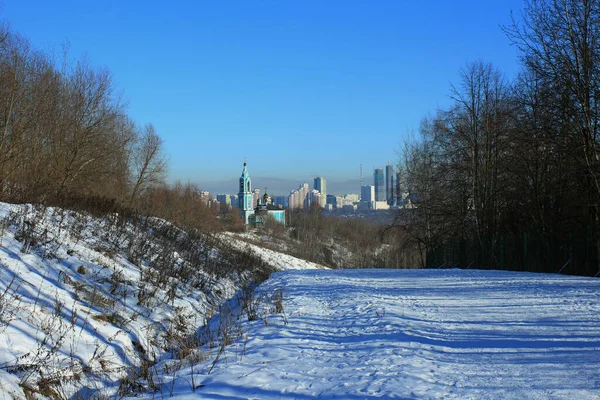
(312,88)
(283,187)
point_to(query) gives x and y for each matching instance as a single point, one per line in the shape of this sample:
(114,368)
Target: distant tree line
(66,139)
(508,176)
(338,242)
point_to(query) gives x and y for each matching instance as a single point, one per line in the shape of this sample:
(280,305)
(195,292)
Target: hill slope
(89,306)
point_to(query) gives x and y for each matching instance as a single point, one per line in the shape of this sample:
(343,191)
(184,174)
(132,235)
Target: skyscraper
(299,198)
(367,193)
(379,185)
(389,184)
(321,186)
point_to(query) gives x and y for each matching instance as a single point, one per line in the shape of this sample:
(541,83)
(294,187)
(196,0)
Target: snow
(280,260)
(431,334)
(72,306)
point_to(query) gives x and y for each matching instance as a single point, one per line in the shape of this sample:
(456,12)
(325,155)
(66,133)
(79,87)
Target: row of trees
(64,130)
(511,159)
(66,139)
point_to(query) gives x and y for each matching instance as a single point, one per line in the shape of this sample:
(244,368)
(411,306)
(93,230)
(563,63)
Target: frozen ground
(279,260)
(359,334)
(77,316)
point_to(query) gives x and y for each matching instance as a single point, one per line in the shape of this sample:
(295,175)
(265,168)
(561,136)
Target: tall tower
(245,196)
(321,186)
(379,185)
(389,184)
(399,188)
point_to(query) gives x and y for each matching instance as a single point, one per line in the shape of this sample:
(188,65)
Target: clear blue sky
(300,88)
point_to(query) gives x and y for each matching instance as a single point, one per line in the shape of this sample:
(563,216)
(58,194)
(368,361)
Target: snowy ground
(277,259)
(357,334)
(77,316)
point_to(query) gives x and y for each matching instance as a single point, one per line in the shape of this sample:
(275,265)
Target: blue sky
(299,88)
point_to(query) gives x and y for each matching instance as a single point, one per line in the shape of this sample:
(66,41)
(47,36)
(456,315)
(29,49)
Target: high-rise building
(367,193)
(314,197)
(389,184)
(379,185)
(321,186)
(299,198)
(255,197)
(224,200)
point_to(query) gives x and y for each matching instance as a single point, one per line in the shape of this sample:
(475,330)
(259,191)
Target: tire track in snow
(429,334)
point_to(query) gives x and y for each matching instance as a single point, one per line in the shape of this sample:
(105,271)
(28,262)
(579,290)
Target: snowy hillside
(107,308)
(425,334)
(89,305)
(277,259)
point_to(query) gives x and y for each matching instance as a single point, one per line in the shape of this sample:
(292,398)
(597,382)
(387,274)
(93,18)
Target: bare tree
(559,41)
(14,58)
(149,164)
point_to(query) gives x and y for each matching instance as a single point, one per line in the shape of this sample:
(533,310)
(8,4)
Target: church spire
(245,202)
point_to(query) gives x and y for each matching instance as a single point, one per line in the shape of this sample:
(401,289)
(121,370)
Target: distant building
(256,215)
(367,197)
(381,205)
(205,197)
(224,200)
(367,193)
(299,198)
(331,200)
(321,186)
(245,203)
(265,210)
(281,201)
(378,181)
(339,202)
(314,197)
(255,197)
(389,184)
(346,200)
(352,198)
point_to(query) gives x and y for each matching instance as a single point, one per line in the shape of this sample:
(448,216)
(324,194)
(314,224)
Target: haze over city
(299,89)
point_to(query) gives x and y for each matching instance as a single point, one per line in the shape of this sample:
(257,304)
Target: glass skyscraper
(321,186)
(389,184)
(379,185)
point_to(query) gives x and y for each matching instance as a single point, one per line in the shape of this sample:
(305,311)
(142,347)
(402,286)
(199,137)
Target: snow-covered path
(356,334)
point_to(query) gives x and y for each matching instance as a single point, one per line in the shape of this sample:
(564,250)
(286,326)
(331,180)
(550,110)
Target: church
(264,209)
